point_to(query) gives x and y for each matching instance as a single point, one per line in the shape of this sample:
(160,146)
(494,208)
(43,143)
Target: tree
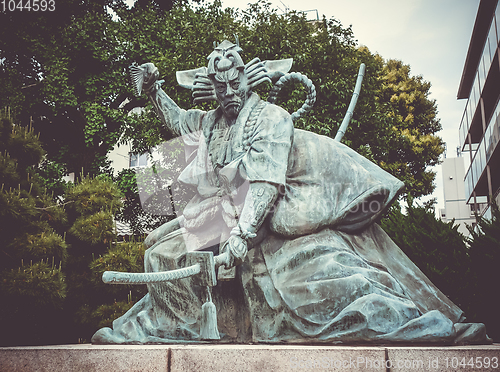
(414,145)
(51,286)
(394,124)
(74,86)
(436,247)
(31,246)
(484,241)
(63,72)
(90,304)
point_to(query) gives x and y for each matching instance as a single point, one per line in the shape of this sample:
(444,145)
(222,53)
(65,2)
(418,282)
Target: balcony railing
(484,151)
(489,51)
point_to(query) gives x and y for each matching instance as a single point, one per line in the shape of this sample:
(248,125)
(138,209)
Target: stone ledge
(242,358)
(85,358)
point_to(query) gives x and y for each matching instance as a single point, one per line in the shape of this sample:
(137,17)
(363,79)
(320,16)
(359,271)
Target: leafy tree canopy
(31,247)
(69,74)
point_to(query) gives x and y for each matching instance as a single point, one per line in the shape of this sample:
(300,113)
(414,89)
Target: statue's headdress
(225,56)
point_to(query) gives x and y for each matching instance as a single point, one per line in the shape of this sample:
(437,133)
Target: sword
(201,265)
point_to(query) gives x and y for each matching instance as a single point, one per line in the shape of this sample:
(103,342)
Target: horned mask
(224,57)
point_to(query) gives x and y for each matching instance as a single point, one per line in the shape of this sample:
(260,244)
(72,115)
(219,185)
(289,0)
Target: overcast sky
(432,36)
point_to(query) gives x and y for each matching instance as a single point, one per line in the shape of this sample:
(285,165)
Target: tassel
(209,329)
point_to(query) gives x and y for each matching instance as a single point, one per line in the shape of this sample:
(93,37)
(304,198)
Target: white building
(480,124)
(455,203)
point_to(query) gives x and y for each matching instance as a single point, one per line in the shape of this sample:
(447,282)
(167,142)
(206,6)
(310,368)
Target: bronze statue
(290,217)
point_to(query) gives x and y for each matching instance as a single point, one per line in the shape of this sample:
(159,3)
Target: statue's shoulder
(270,111)
(271,108)
(271,119)
(206,116)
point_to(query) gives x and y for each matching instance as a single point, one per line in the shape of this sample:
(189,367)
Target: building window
(492,40)
(497,22)
(138,160)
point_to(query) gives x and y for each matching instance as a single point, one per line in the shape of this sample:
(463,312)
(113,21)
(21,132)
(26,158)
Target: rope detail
(308,84)
(250,124)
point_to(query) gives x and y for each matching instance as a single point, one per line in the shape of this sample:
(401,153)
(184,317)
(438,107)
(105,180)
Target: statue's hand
(150,76)
(237,249)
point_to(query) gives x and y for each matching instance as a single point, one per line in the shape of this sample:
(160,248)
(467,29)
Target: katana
(201,265)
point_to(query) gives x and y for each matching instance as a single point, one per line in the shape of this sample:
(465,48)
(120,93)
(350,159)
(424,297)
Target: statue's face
(231,91)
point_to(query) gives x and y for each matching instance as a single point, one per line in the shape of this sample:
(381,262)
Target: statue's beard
(233,107)
(232,110)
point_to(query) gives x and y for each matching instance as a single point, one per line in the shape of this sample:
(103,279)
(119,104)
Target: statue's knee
(160,232)
(150,240)
(147,260)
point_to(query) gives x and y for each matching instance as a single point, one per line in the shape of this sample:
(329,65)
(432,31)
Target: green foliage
(95,304)
(33,294)
(39,284)
(94,229)
(167,196)
(32,300)
(436,247)
(413,144)
(120,257)
(25,147)
(132,212)
(484,241)
(52,214)
(93,195)
(61,285)
(50,175)
(108,313)
(91,207)
(28,217)
(105,314)
(74,86)
(38,246)
(113,301)
(58,75)
(463,268)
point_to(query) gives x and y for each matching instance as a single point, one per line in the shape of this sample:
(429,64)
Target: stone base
(241,358)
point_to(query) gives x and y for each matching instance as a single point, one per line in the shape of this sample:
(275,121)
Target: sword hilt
(221,259)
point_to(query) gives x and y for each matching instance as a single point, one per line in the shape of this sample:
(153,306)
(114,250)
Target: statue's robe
(320,268)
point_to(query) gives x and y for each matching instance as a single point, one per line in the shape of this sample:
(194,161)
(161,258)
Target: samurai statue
(290,216)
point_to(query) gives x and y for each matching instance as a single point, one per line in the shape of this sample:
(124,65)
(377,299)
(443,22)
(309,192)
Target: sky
(432,36)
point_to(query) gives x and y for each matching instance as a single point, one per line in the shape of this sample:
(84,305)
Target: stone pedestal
(242,358)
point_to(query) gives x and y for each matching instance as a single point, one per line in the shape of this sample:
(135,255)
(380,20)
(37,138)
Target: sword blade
(120,277)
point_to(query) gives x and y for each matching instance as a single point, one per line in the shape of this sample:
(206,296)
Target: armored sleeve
(177,120)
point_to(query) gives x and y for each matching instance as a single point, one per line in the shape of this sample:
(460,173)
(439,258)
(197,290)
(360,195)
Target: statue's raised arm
(145,80)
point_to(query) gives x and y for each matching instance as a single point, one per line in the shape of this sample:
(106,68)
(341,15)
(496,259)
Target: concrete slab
(444,359)
(242,358)
(85,358)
